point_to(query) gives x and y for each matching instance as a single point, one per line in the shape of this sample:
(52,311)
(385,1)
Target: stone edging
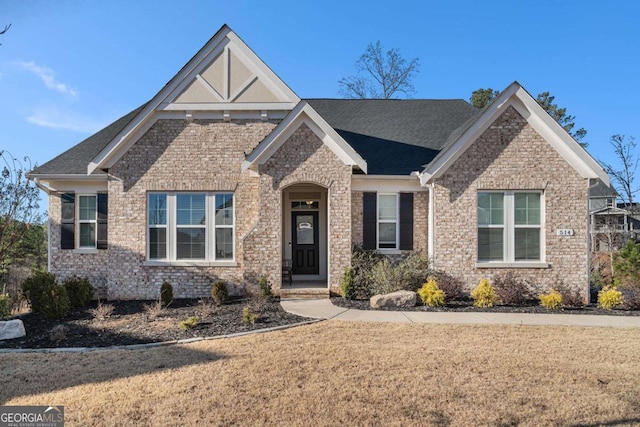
(152,344)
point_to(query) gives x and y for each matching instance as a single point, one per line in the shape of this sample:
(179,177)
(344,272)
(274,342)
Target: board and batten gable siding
(174,156)
(511,155)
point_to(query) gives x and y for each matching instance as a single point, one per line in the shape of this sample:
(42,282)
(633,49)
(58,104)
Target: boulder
(12,329)
(398,299)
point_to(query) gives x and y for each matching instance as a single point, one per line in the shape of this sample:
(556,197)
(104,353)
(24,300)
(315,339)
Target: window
(387,221)
(87,214)
(190,226)
(509,226)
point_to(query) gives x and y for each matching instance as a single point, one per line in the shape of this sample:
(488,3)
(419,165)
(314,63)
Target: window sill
(85,251)
(390,251)
(512,265)
(190,264)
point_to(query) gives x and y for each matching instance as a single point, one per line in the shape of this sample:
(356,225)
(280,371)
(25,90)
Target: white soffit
(303,113)
(225,75)
(517,97)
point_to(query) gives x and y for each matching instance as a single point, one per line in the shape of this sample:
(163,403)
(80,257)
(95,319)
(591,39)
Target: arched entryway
(305,234)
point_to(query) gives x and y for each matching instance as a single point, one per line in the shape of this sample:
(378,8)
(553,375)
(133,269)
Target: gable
(231,77)
(303,114)
(224,79)
(515,96)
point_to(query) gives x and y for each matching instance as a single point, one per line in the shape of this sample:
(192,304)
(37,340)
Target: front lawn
(347,373)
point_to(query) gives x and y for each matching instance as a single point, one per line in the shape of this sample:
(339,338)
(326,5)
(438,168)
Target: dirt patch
(130,324)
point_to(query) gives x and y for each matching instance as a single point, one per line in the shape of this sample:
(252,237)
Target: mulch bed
(130,324)
(467,306)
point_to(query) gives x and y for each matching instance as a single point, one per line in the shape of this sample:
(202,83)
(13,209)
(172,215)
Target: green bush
(248,316)
(484,295)
(220,292)
(362,262)
(36,287)
(414,270)
(431,294)
(609,298)
(264,286)
(347,285)
(79,290)
(551,301)
(189,323)
(384,278)
(55,304)
(626,265)
(166,294)
(5,306)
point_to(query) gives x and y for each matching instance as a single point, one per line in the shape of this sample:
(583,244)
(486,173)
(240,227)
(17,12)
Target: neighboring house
(226,172)
(612,224)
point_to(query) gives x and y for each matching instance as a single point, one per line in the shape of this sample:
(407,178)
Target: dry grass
(334,373)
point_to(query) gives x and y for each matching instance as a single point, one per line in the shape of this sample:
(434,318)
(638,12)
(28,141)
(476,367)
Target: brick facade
(511,155)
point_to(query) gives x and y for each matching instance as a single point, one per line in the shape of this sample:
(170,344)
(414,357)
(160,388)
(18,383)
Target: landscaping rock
(12,329)
(398,299)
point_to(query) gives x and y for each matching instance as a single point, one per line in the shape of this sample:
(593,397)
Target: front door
(304,246)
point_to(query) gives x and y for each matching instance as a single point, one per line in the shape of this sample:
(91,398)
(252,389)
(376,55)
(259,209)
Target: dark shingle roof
(76,159)
(395,137)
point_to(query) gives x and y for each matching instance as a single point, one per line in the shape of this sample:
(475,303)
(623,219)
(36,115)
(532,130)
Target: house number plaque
(564,232)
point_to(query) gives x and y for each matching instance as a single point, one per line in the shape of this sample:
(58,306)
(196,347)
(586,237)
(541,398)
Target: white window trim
(172,230)
(509,226)
(86,249)
(395,249)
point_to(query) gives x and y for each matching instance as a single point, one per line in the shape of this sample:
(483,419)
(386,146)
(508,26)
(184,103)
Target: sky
(70,67)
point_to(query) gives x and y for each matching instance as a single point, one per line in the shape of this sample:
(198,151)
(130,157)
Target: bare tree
(623,175)
(380,75)
(19,206)
(6,28)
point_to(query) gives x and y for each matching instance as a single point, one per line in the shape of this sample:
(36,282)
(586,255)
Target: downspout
(589,241)
(431,225)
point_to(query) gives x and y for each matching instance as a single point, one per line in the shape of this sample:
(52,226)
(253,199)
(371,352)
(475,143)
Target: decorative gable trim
(303,113)
(517,97)
(224,42)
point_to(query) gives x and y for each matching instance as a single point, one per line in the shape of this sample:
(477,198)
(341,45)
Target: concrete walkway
(323,309)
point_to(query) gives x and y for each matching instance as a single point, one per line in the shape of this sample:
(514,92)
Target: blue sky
(68,68)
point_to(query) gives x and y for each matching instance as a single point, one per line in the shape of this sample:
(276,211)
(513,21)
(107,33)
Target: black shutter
(369,221)
(101,242)
(67,219)
(406,221)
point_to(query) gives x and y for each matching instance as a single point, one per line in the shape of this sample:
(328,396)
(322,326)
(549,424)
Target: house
(612,223)
(226,172)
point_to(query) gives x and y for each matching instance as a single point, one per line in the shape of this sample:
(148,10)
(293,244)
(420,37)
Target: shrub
(166,294)
(347,285)
(384,278)
(36,287)
(431,294)
(626,265)
(450,285)
(413,271)
(220,292)
(206,308)
(5,306)
(362,262)
(265,286)
(631,297)
(609,298)
(154,310)
(551,301)
(79,290)
(189,323)
(248,316)
(102,311)
(570,297)
(55,305)
(511,289)
(484,295)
